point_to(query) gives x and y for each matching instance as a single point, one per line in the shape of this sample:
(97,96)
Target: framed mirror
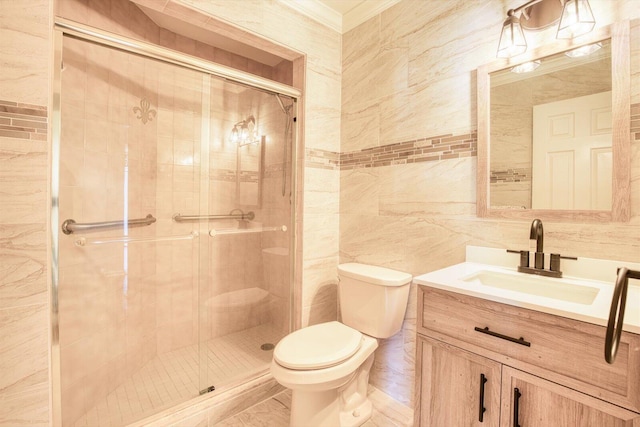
(554,143)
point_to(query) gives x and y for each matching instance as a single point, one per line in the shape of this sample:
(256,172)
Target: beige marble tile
(429,110)
(360,191)
(387,74)
(321,191)
(462,52)
(23,181)
(320,278)
(30,407)
(24,359)
(360,123)
(272,412)
(387,412)
(24,51)
(416,189)
(320,235)
(23,267)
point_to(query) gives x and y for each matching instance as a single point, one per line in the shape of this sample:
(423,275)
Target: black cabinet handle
(482,409)
(516,408)
(520,340)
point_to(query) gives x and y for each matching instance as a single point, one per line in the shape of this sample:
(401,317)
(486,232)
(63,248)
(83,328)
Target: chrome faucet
(538,234)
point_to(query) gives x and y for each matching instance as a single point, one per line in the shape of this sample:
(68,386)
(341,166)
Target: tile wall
(24,298)
(408,74)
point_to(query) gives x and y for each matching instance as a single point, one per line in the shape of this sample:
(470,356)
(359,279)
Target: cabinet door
(454,385)
(530,401)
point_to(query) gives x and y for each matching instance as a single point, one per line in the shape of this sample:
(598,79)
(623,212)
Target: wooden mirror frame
(621,131)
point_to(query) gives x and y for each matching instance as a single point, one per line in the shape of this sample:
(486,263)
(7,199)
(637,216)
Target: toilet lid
(318,346)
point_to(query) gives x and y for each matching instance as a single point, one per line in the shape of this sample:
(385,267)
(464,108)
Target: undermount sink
(535,285)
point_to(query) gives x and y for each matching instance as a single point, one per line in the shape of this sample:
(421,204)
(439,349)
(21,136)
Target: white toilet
(327,365)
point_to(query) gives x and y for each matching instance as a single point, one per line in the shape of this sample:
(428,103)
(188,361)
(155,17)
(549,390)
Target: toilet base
(315,408)
(346,406)
(322,409)
(358,416)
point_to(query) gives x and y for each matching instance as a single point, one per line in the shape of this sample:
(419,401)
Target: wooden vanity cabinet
(454,385)
(544,403)
(557,364)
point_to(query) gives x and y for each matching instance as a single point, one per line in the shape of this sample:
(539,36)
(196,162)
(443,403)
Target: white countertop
(592,273)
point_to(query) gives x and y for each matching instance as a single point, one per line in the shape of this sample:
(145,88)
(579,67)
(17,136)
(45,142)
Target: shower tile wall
(409,73)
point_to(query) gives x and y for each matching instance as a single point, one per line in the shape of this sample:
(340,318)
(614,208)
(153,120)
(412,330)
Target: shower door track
(65,27)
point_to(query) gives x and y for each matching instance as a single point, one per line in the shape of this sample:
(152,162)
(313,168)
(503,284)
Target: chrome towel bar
(241,216)
(214,233)
(69,226)
(125,239)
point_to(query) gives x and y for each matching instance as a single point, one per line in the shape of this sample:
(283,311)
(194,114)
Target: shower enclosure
(172,218)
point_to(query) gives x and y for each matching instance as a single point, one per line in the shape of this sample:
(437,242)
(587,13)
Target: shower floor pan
(173,377)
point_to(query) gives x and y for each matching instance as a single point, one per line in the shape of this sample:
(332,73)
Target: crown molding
(320,12)
(317,11)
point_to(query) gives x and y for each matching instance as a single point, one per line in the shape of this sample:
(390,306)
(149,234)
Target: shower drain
(267,346)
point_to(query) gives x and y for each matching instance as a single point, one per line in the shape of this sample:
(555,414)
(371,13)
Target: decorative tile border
(510,175)
(426,150)
(24,121)
(429,149)
(635,122)
(229,175)
(322,159)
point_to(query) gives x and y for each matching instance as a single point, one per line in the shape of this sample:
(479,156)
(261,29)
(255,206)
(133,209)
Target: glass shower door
(245,289)
(127,283)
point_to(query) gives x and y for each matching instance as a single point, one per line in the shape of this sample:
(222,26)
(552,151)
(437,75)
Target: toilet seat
(318,346)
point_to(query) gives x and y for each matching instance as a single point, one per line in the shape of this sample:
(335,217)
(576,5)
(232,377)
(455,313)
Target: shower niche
(175,276)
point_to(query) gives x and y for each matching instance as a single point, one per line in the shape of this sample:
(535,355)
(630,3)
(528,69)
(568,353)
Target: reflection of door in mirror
(513,99)
(572,158)
(248,184)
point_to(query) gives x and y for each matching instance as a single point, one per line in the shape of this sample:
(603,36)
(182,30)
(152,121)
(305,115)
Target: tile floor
(174,377)
(275,413)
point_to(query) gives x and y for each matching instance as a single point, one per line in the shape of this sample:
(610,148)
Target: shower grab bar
(241,216)
(70,226)
(85,242)
(214,233)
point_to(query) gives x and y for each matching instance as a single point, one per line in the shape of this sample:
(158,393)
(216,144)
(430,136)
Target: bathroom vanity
(500,348)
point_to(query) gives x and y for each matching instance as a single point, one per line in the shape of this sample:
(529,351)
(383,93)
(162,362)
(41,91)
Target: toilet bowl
(327,365)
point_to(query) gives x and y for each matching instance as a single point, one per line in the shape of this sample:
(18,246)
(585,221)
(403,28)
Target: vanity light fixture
(526,67)
(583,50)
(576,19)
(512,41)
(244,132)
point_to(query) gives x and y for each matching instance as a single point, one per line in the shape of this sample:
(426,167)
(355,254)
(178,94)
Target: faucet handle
(524,258)
(555,262)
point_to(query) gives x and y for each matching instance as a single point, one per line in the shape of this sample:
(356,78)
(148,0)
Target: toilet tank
(373,299)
